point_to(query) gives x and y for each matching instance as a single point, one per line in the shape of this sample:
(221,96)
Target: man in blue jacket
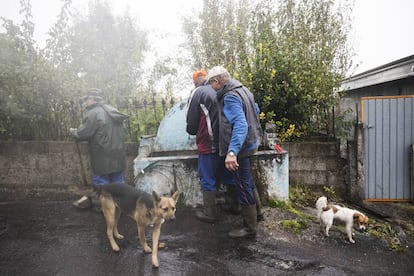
(240,133)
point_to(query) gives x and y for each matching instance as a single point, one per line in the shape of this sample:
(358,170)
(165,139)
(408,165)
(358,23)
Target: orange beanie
(199,73)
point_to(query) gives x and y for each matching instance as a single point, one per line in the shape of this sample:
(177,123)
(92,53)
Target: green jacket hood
(115,114)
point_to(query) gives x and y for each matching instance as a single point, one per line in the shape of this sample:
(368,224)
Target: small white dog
(327,213)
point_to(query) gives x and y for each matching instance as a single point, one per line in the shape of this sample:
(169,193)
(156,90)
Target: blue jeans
(226,177)
(244,182)
(207,171)
(103,179)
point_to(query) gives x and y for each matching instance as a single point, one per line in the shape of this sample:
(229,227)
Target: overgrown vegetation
(300,197)
(40,89)
(292,54)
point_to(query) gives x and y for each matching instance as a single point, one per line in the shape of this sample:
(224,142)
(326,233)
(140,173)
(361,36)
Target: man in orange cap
(202,121)
(199,77)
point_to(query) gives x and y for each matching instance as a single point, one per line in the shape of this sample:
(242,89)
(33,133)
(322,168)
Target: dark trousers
(244,181)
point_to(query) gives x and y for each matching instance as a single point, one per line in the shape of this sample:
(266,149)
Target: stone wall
(316,164)
(51,170)
(48,169)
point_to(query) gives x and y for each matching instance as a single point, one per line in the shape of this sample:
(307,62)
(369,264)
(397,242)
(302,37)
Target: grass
(296,226)
(301,196)
(297,197)
(384,231)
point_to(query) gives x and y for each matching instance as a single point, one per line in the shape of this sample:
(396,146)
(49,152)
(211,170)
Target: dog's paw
(162,245)
(147,249)
(119,236)
(155,263)
(115,248)
(351,241)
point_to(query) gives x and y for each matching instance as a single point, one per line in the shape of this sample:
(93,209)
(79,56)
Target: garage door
(388,135)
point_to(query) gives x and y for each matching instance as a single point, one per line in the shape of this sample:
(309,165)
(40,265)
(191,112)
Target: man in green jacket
(102,127)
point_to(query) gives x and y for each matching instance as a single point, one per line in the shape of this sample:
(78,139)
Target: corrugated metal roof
(396,70)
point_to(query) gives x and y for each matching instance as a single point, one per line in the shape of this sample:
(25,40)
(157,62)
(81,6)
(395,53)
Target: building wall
(51,170)
(353,151)
(394,88)
(351,100)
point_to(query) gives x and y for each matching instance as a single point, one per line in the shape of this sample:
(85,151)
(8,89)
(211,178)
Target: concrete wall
(316,164)
(47,169)
(52,170)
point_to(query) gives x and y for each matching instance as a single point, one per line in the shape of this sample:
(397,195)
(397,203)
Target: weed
(385,232)
(291,209)
(301,195)
(278,204)
(329,192)
(294,225)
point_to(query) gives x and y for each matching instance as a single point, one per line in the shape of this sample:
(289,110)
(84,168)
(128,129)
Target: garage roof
(396,70)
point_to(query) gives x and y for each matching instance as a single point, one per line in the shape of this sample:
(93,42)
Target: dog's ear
(156,197)
(176,195)
(362,218)
(359,217)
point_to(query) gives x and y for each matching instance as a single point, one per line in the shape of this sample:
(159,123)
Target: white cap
(216,71)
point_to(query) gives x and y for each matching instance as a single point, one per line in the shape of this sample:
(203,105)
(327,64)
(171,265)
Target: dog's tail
(321,203)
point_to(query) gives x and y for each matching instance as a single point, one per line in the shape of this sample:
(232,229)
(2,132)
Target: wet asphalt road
(55,238)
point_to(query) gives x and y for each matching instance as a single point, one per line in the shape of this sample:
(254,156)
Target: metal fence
(54,121)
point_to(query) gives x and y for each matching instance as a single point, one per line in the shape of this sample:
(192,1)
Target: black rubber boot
(249,214)
(84,202)
(260,216)
(232,206)
(208,213)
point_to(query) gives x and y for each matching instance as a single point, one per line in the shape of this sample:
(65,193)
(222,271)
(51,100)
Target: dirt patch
(51,238)
(299,223)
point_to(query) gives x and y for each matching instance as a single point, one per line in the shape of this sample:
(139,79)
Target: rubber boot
(260,216)
(84,202)
(249,214)
(233,206)
(208,213)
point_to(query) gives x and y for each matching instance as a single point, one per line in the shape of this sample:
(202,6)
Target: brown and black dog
(145,209)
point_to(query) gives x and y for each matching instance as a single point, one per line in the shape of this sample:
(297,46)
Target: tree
(292,54)
(23,79)
(97,50)
(218,35)
(39,89)
(309,62)
(107,51)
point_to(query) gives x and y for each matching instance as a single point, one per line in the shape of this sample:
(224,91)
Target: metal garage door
(388,134)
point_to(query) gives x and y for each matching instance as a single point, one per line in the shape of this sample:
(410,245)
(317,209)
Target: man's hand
(231,162)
